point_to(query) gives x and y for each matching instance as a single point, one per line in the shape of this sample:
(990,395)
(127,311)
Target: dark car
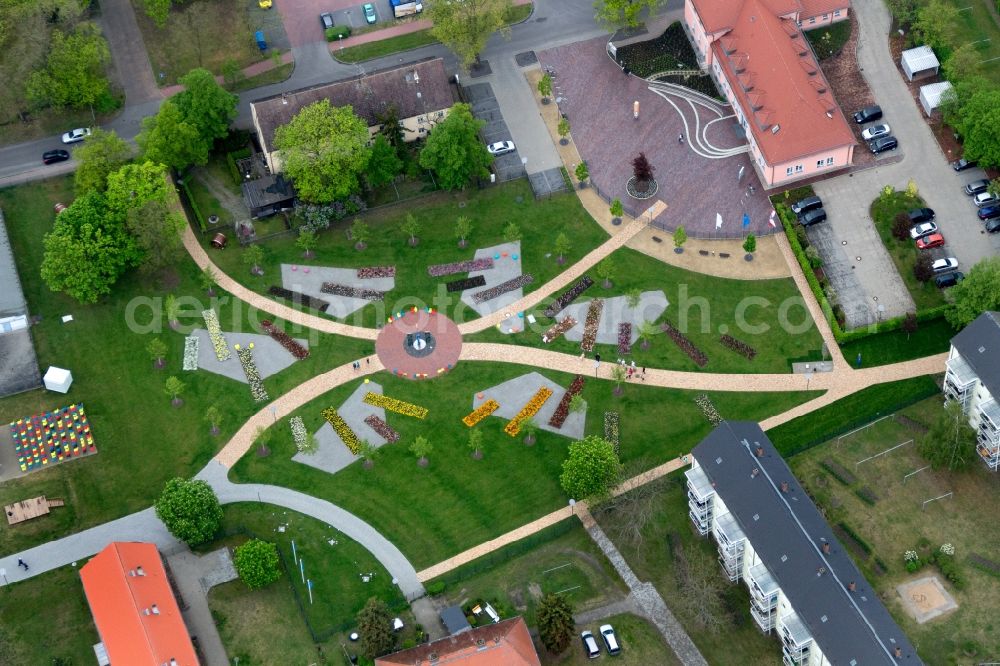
(988,212)
(993,226)
(806,205)
(977,186)
(919,215)
(812,217)
(882,144)
(949,279)
(962,164)
(53,156)
(868,114)
(326,20)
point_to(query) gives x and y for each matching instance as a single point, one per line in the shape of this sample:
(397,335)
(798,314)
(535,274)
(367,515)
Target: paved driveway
(301,17)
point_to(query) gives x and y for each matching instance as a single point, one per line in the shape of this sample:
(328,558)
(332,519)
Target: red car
(927,242)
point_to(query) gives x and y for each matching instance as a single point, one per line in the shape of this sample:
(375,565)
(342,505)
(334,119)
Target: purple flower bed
(467,283)
(697,355)
(502,288)
(300,298)
(376,272)
(568,296)
(624,338)
(562,409)
(437,270)
(286,341)
(382,428)
(352,292)
(738,346)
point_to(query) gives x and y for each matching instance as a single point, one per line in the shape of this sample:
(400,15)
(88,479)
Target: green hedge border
(193,205)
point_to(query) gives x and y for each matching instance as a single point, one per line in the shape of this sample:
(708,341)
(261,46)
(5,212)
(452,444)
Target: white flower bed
(299,434)
(257,390)
(215,333)
(191,352)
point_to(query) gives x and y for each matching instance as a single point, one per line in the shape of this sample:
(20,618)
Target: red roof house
(505,643)
(134,608)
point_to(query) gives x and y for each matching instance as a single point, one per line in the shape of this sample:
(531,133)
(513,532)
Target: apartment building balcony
(959,380)
(796,641)
(765,619)
(763,588)
(731,542)
(700,489)
(989,451)
(989,416)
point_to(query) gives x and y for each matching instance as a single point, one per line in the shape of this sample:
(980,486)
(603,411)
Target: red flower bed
(382,428)
(286,341)
(590,324)
(562,409)
(738,346)
(697,355)
(437,270)
(376,272)
(624,338)
(558,329)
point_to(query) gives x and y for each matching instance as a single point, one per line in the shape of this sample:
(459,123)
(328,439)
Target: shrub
(867,495)
(854,536)
(922,268)
(257,563)
(838,471)
(338,32)
(901,226)
(985,564)
(435,588)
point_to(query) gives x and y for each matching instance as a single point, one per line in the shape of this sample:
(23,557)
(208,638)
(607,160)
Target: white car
(985,199)
(924,229)
(610,639)
(501,147)
(79,134)
(875,131)
(944,265)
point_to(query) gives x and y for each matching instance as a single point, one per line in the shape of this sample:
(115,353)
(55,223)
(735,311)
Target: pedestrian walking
(368,361)
(633,365)
(680,139)
(21,563)
(597,357)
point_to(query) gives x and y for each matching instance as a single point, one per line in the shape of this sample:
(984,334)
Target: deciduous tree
(206,105)
(384,164)
(213,415)
(618,375)
(937,24)
(421,448)
(962,63)
(73,75)
(411,227)
(257,563)
(951,441)
(680,236)
(157,228)
(463,227)
(556,626)
(100,154)
(647,330)
(174,387)
(375,629)
(208,280)
(324,149)
(605,270)
(158,10)
(157,350)
(900,226)
(562,246)
(977,293)
(190,510)
(591,470)
(253,255)
(615,14)
(453,150)
(360,233)
(922,269)
(476,443)
(545,86)
(306,241)
(750,244)
(511,232)
(464,27)
(979,126)
(167,138)
(133,185)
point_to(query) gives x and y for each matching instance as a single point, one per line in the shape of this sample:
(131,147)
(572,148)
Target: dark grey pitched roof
(787,531)
(270,189)
(11,297)
(979,345)
(454,620)
(367,94)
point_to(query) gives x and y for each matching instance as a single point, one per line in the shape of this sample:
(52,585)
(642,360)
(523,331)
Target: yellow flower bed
(393,405)
(343,430)
(529,410)
(481,412)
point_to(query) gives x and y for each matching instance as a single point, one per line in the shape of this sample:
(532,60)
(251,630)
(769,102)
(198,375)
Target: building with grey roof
(972,378)
(803,585)
(18,364)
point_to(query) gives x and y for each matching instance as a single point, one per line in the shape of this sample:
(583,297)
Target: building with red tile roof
(135,611)
(765,67)
(505,643)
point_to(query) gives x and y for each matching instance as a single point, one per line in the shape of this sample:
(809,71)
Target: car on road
(921,230)
(610,639)
(875,131)
(868,114)
(814,216)
(326,20)
(806,205)
(918,215)
(993,226)
(369,11)
(944,265)
(590,645)
(53,156)
(988,212)
(985,199)
(949,279)
(73,136)
(977,186)
(927,242)
(962,164)
(501,147)
(882,144)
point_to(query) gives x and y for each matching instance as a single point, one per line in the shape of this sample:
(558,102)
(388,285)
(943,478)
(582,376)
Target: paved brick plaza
(438,354)
(599,105)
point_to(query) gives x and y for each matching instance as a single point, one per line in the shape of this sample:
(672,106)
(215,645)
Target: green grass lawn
(829,40)
(701,306)
(640,641)
(275,75)
(490,210)
(141,440)
(853,411)
(458,502)
(198,34)
(932,337)
(976,26)
(897,523)
(904,252)
(47,618)
(208,204)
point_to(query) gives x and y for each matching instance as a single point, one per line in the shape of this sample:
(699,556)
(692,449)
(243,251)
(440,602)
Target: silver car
(79,134)
(501,147)
(922,230)
(875,131)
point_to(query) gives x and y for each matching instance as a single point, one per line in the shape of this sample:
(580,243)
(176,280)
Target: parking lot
(301,18)
(486,107)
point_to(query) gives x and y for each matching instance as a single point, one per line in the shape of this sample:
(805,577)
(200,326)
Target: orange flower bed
(513,427)
(481,412)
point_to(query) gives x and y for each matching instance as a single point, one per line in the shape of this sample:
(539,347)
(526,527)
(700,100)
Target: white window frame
(798,168)
(829,161)
(788,171)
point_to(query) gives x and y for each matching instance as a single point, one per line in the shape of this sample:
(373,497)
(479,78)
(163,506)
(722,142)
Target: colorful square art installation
(52,437)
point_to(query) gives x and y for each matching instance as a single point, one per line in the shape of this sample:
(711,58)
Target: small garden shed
(919,62)
(930,95)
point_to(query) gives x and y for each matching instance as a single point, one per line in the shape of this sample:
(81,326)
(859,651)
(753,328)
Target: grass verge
(932,337)
(274,75)
(828,41)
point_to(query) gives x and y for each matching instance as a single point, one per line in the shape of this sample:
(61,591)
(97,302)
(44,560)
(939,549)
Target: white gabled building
(972,379)
(802,583)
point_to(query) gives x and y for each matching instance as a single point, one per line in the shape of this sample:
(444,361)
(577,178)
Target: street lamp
(572,505)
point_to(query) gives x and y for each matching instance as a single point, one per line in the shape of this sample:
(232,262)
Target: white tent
(919,62)
(930,95)
(58,379)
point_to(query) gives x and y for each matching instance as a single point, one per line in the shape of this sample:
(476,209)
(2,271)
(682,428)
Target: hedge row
(194,205)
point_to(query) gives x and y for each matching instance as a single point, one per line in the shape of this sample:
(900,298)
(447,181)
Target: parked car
(875,131)
(949,279)
(977,186)
(918,215)
(326,20)
(812,217)
(993,226)
(53,156)
(370,15)
(501,147)
(927,242)
(921,230)
(988,212)
(807,204)
(610,639)
(962,164)
(868,114)
(945,265)
(882,144)
(590,645)
(985,199)
(73,136)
